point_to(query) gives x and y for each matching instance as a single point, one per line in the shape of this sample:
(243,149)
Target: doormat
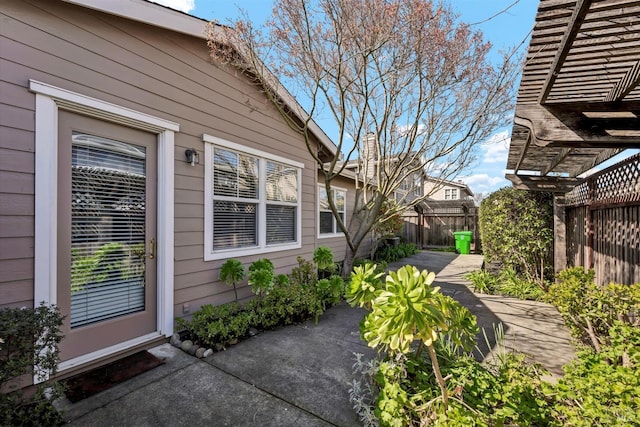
(100,379)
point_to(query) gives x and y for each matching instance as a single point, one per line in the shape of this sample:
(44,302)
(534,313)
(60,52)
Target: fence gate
(434,223)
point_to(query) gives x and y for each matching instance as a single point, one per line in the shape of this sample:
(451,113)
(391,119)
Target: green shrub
(510,284)
(602,389)
(391,253)
(29,339)
(221,324)
(406,308)
(305,274)
(403,391)
(590,310)
(330,290)
(516,228)
(482,281)
(281,280)
(286,305)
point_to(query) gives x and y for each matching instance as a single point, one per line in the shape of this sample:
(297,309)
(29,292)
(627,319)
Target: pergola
(579,100)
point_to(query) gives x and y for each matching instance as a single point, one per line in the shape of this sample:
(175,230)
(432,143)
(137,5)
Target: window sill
(330,236)
(242,252)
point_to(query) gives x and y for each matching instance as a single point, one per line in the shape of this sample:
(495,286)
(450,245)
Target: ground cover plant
(279,300)
(602,385)
(400,388)
(391,253)
(506,283)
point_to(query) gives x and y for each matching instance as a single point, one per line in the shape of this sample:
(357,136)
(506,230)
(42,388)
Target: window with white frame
(327,224)
(252,200)
(451,194)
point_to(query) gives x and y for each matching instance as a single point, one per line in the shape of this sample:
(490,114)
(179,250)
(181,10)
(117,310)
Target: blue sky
(505,23)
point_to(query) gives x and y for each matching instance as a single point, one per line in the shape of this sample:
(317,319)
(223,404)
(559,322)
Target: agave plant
(261,276)
(232,273)
(323,257)
(364,285)
(407,308)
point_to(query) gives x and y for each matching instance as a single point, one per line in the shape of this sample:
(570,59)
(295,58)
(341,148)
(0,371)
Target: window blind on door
(108,194)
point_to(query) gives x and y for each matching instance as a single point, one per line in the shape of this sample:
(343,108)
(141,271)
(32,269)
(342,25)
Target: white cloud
(185,6)
(496,148)
(483,183)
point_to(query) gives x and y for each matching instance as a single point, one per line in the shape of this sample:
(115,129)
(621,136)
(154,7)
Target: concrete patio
(300,375)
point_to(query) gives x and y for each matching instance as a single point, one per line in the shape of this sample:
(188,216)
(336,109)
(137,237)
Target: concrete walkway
(530,327)
(300,375)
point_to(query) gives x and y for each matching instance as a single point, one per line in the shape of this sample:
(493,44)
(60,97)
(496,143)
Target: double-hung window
(451,194)
(327,224)
(252,201)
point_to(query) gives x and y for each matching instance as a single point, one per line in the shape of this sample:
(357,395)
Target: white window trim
(49,99)
(262,247)
(338,232)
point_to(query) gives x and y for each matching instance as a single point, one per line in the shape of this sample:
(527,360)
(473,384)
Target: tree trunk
(347,264)
(439,378)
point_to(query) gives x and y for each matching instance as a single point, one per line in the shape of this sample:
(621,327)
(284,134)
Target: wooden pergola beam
(625,85)
(524,152)
(564,152)
(579,13)
(562,126)
(552,184)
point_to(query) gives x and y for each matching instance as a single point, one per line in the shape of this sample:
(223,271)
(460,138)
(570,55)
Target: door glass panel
(108,185)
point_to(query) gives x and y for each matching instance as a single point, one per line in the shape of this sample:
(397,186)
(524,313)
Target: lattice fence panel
(603,223)
(618,184)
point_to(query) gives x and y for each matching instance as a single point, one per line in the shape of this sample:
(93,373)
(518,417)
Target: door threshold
(105,355)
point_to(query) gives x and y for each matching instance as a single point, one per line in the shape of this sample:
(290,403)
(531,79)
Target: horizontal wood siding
(150,70)
(16,193)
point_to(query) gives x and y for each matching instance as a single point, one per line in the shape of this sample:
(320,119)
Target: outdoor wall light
(192,156)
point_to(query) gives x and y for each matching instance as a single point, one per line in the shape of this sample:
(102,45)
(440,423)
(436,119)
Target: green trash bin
(463,241)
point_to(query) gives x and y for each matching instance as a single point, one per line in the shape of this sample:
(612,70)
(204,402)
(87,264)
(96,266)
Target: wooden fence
(602,217)
(435,222)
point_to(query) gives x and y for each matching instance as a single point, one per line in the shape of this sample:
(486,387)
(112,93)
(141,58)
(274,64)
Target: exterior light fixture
(192,156)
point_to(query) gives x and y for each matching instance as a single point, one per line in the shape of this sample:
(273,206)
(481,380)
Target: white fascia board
(148,13)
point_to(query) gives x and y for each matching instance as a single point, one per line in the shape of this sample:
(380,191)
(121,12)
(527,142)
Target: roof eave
(173,20)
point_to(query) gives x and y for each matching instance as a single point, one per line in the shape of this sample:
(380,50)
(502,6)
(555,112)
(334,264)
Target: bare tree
(478,198)
(405,71)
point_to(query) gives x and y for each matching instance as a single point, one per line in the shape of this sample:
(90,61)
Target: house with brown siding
(101,211)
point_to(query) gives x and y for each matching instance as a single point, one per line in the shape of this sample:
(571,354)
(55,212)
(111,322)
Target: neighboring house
(329,234)
(132,167)
(440,189)
(367,168)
